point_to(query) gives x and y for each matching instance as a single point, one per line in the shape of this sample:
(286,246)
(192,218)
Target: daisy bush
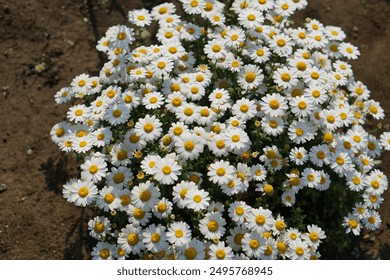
(236,134)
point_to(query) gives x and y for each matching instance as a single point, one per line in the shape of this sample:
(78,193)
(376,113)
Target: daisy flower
(214,50)
(372,220)
(166,171)
(103,251)
(180,191)
(274,105)
(120,154)
(239,211)
(193,250)
(130,239)
(187,113)
(237,140)
(349,51)
(351,223)
(197,199)
(220,251)
(272,125)
(298,155)
(82,144)
(281,45)
(252,244)
(93,169)
(179,233)
(285,77)
(217,145)
(250,18)
(258,172)
(145,195)
(162,10)
(163,208)
(260,220)
(148,128)
(79,113)
(83,193)
(269,250)
(244,109)
(212,226)
(298,250)
(250,77)
(221,172)
(385,141)
(301,132)
(99,227)
(259,53)
(137,216)
(314,236)
(341,162)
(155,239)
(188,146)
(234,240)
(108,199)
(288,198)
(301,106)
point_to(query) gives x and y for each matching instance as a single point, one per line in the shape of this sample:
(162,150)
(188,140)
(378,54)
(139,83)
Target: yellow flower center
(220,144)
(145,195)
(93,169)
(204,112)
(167,170)
(189,146)
(212,226)
(260,219)
(78,112)
(117,113)
(251,17)
(254,244)
(299,251)
(197,198)
(268,251)
(301,66)
(125,199)
(221,171)
(273,124)
(274,104)
(161,207)
(155,237)
(375,184)
(148,127)
(280,225)
(83,192)
(60,132)
(138,213)
(121,155)
(340,160)
(235,138)
(190,253)
(313,236)
(302,105)
(268,188)
(250,77)
(188,112)
(109,198)
(216,48)
(352,224)
(281,42)
(220,253)
(104,253)
(99,227)
(299,132)
(132,239)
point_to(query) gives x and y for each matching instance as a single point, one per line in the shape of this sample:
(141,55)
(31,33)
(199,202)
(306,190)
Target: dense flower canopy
(201,145)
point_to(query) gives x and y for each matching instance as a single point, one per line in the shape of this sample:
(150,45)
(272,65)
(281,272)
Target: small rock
(3,188)
(366,238)
(85,19)
(372,239)
(30,152)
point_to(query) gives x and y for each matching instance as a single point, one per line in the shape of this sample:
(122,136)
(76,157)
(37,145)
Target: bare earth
(35,221)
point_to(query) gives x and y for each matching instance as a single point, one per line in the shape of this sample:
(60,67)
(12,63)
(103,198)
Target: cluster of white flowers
(199,146)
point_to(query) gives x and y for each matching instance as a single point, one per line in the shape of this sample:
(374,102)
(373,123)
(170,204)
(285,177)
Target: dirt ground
(35,221)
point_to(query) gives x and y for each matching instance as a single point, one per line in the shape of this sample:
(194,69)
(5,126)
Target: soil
(44,44)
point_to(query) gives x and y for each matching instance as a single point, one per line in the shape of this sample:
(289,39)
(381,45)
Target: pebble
(30,152)
(3,187)
(366,238)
